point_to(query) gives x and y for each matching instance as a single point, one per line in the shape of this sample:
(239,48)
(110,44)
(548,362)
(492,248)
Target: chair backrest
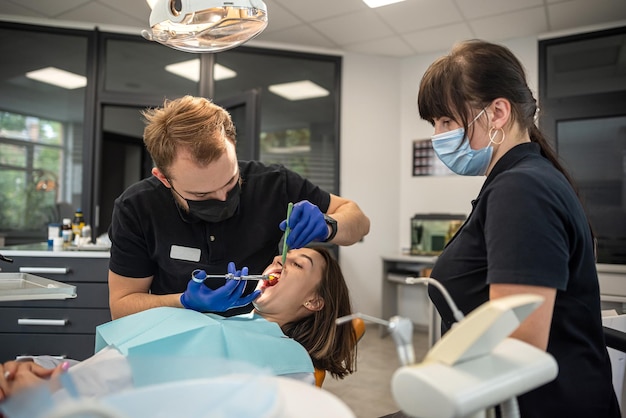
(359,329)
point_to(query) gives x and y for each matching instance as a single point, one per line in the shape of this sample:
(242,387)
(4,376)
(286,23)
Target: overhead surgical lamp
(205,25)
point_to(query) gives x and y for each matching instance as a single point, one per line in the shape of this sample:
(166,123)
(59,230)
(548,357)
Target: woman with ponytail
(527,232)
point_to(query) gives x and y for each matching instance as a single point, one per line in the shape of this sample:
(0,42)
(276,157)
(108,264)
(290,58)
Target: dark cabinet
(64,328)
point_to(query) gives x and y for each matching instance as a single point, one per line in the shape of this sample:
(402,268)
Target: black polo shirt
(528,227)
(151,236)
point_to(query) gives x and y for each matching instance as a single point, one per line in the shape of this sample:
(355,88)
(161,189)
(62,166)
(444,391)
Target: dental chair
(616,340)
(359,329)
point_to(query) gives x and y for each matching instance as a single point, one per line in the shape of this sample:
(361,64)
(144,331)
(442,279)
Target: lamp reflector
(206,25)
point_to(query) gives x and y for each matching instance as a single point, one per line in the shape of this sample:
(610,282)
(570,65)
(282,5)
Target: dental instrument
(287,231)
(200,276)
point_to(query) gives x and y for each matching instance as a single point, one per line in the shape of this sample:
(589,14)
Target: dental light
(205,25)
(474,366)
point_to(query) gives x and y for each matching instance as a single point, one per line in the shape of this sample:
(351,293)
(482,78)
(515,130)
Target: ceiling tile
(94,12)
(137,9)
(472,9)
(578,13)
(278,18)
(352,28)
(351,25)
(438,39)
(311,11)
(300,35)
(511,25)
(412,15)
(10,8)
(393,46)
(53,8)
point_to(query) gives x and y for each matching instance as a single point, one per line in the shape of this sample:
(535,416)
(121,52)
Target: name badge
(185,253)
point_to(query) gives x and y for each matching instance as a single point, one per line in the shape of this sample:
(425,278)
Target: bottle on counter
(77,225)
(85,235)
(66,232)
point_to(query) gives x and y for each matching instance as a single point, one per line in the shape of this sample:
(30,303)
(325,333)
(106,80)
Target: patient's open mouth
(273,279)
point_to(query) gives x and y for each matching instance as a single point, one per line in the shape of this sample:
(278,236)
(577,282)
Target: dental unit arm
(474,366)
(401,330)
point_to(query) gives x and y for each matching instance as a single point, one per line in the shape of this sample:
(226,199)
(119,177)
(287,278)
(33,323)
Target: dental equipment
(287,231)
(400,328)
(472,368)
(200,276)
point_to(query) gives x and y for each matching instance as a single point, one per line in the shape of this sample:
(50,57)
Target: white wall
(379,121)
(370,145)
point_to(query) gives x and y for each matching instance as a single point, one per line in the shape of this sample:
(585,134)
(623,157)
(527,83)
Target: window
(299,107)
(32,154)
(582,80)
(41,129)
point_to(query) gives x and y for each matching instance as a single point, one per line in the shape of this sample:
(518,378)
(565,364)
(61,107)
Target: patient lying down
(310,295)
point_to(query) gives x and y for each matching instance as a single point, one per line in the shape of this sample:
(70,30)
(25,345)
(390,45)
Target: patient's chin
(259,302)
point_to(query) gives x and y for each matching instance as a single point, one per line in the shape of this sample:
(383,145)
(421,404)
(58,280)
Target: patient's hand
(17,375)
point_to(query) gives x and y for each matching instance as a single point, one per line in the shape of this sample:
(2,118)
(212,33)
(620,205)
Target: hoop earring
(493,132)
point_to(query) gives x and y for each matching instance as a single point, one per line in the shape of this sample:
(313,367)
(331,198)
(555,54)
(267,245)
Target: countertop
(43,250)
(408,258)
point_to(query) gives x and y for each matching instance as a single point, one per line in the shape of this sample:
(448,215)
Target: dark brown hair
(331,347)
(191,123)
(474,74)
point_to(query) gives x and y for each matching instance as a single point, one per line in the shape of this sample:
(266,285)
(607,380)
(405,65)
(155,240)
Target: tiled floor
(368,391)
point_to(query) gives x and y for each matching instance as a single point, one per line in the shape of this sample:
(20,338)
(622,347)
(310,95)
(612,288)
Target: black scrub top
(527,227)
(151,236)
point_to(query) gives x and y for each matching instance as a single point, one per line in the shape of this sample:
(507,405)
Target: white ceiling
(403,29)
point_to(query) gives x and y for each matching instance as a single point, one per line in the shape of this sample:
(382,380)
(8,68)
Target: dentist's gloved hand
(307,224)
(202,299)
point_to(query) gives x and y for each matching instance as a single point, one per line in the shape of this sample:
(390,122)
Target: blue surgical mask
(453,149)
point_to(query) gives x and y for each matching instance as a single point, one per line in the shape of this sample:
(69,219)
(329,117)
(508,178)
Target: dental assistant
(527,231)
(202,209)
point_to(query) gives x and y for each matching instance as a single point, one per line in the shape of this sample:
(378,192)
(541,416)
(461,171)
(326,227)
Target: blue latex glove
(306,223)
(202,299)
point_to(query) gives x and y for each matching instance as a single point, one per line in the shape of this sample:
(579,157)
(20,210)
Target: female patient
(310,295)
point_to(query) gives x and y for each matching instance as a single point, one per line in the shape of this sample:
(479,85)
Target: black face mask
(213,210)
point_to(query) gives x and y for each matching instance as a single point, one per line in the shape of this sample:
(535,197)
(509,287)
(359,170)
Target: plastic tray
(25,286)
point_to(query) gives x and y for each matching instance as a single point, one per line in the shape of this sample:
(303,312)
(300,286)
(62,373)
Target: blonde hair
(193,124)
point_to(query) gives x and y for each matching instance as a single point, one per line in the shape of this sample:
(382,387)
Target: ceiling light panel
(299,90)
(379,3)
(58,77)
(191,70)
